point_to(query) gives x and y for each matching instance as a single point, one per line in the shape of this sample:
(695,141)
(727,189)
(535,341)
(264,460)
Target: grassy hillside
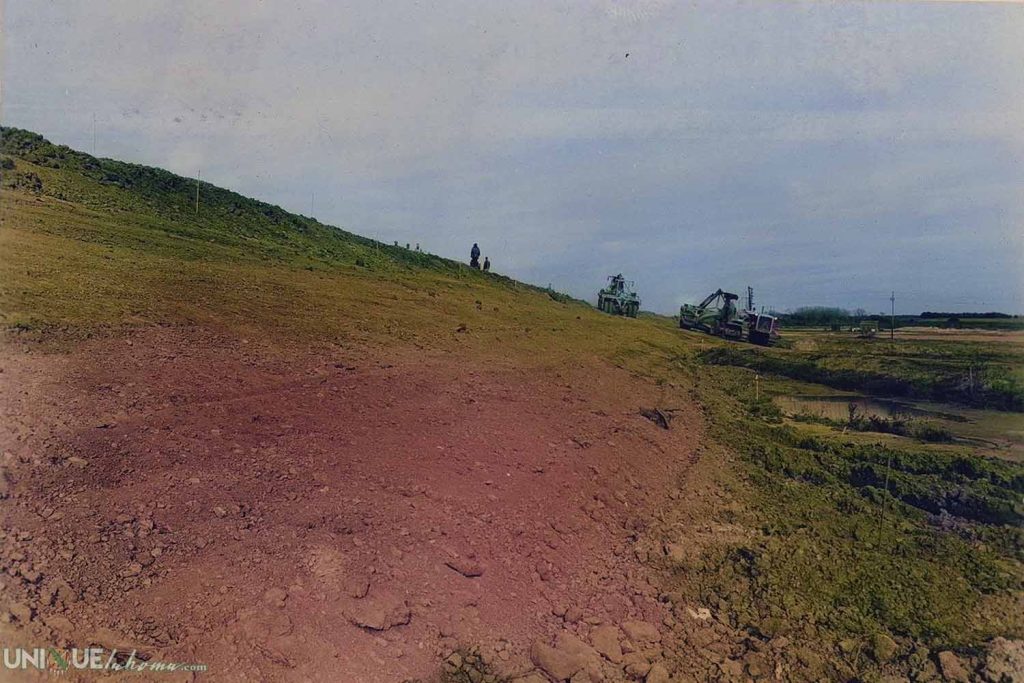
(92,243)
(844,541)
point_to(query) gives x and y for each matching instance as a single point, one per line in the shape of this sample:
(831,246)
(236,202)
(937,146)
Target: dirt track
(315,517)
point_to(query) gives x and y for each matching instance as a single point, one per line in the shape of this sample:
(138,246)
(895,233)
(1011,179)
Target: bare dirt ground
(309,516)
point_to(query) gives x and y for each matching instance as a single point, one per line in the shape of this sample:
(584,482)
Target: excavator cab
(618,298)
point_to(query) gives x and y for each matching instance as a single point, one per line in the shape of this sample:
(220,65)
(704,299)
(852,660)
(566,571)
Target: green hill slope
(225,218)
(96,242)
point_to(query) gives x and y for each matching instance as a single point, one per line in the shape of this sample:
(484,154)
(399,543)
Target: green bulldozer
(618,298)
(718,315)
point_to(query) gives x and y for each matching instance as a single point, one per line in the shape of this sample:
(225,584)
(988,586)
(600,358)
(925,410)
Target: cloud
(737,140)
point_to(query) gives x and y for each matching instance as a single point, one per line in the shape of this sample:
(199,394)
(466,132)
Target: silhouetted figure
(474,256)
(487,264)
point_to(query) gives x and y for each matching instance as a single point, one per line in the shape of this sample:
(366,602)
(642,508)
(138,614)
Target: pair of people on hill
(474,258)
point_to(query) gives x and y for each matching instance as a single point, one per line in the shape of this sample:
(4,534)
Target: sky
(824,153)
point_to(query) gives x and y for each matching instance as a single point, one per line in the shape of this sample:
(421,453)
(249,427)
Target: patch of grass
(968,373)
(854,539)
(898,425)
(106,244)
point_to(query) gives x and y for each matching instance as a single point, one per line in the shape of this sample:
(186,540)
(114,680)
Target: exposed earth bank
(290,514)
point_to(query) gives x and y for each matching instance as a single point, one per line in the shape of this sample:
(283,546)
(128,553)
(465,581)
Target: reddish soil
(320,516)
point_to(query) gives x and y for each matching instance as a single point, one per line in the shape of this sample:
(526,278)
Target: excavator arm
(711,297)
(728,296)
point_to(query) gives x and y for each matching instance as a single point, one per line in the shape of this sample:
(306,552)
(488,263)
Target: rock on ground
(1004,661)
(567,657)
(952,668)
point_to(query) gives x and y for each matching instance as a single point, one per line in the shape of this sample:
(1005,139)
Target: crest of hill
(33,163)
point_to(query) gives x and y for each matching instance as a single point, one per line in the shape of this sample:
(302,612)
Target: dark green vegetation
(843,539)
(900,426)
(827,317)
(920,542)
(977,374)
(858,539)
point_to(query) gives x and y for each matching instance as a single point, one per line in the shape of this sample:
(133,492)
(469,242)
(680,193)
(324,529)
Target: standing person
(474,256)
(487,264)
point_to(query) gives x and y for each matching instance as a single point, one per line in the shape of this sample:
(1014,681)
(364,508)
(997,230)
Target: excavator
(718,315)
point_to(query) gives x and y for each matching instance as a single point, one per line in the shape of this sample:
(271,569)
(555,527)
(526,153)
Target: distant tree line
(815,316)
(820,315)
(991,314)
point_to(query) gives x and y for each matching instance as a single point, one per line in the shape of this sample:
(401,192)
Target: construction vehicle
(618,298)
(718,315)
(867,329)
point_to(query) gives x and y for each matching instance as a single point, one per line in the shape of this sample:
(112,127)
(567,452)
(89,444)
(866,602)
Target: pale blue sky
(825,153)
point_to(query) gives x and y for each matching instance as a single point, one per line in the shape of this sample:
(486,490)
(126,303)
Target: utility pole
(892,320)
(750,298)
(198,175)
(94,134)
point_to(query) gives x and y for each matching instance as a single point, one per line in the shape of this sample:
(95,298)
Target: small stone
(636,664)
(952,668)
(757,665)
(357,585)
(605,640)
(22,612)
(59,624)
(1005,660)
(379,614)
(732,669)
(275,597)
(676,553)
(78,462)
(657,674)
(569,656)
(641,632)
(134,569)
(883,647)
(220,511)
